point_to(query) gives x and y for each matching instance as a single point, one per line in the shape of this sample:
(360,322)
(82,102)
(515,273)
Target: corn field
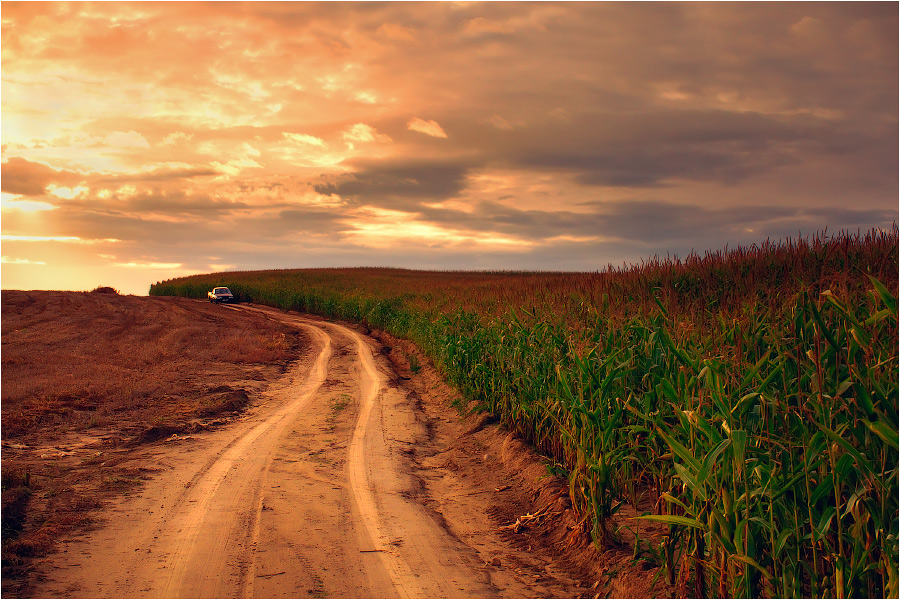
(746,401)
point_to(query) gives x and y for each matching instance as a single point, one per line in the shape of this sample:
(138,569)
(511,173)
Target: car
(220,294)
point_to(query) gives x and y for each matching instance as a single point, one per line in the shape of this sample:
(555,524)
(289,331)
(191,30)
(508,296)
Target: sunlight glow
(20,261)
(148,265)
(218,268)
(15,202)
(382,228)
(67,193)
(70,239)
(234,167)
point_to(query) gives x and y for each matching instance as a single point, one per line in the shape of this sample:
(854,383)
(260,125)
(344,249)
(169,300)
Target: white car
(220,294)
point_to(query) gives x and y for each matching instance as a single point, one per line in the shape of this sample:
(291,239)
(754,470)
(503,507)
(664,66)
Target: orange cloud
(302,138)
(427,127)
(364,133)
(20,176)
(20,261)
(123,139)
(396,32)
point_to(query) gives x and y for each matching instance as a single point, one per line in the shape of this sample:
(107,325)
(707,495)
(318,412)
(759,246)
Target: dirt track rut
(305,495)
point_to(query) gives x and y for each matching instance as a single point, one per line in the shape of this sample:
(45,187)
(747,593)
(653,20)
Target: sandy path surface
(311,493)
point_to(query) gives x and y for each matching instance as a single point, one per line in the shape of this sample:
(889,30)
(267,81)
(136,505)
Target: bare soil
(300,459)
(88,377)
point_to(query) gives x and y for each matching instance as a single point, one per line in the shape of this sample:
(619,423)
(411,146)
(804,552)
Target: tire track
(345,520)
(371,383)
(418,556)
(196,564)
(363,493)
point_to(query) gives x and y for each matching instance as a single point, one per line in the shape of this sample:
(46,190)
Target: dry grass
(75,361)
(87,373)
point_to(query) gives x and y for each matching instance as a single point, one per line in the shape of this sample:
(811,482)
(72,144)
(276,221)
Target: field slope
(745,400)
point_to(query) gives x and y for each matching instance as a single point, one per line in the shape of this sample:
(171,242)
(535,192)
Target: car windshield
(222,291)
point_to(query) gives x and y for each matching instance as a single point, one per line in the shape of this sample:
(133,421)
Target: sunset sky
(147,141)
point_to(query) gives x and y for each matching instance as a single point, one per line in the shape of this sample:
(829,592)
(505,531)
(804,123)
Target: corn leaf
(673,520)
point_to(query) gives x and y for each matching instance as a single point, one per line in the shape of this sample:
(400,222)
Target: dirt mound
(225,400)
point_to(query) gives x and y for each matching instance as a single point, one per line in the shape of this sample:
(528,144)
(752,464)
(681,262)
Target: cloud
(480,25)
(235,167)
(129,139)
(11,201)
(360,132)
(176,137)
(655,148)
(396,32)
(500,123)
(20,261)
(177,204)
(387,182)
(304,139)
(677,224)
(427,127)
(159,174)
(655,224)
(20,176)
(65,192)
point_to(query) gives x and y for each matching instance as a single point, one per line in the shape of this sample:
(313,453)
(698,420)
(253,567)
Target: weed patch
(337,407)
(16,492)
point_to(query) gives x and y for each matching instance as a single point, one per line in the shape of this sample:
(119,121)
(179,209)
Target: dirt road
(316,491)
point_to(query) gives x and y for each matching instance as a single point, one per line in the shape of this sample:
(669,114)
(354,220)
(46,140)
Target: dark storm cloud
(655,222)
(215,236)
(385,182)
(650,149)
(767,86)
(634,149)
(129,228)
(300,221)
(663,223)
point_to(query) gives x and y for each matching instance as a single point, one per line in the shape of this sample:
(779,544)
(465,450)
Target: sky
(145,141)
